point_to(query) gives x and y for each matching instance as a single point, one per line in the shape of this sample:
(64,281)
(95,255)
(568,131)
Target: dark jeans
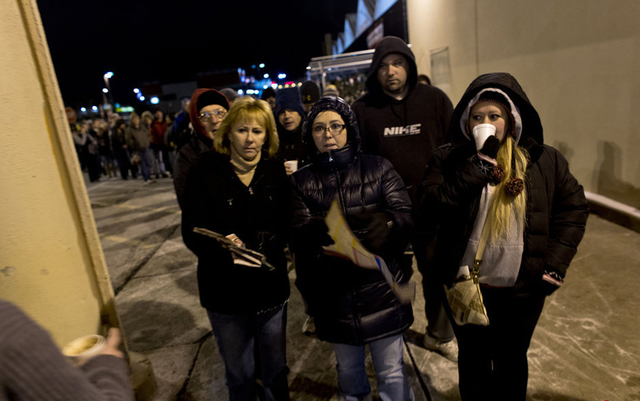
(93,166)
(253,347)
(146,158)
(439,326)
(492,361)
(124,163)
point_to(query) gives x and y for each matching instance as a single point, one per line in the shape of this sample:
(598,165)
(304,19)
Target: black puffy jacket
(351,305)
(556,206)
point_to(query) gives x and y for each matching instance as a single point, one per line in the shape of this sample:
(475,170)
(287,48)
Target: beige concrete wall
(51,263)
(578,61)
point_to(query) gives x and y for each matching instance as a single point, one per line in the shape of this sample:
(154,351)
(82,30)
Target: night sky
(143,41)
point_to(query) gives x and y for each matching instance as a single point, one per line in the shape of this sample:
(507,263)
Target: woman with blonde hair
(240,190)
(511,199)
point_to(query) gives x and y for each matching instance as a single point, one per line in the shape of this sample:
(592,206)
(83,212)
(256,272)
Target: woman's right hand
(316,232)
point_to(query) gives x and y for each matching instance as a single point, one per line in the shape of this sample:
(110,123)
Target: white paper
(347,246)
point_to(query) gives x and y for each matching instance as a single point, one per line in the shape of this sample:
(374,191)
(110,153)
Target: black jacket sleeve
(197,212)
(569,213)
(451,180)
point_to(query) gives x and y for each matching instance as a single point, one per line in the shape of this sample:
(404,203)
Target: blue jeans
(253,347)
(146,156)
(387,355)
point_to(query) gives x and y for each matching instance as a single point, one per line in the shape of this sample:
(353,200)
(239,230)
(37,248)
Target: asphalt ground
(585,346)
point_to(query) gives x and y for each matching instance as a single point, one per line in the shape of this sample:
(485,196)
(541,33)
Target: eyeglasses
(334,129)
(206,116)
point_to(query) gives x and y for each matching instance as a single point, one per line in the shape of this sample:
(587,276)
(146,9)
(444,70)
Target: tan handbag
(464,296)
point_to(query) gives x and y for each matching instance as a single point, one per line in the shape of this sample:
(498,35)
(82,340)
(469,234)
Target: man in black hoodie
(405,123)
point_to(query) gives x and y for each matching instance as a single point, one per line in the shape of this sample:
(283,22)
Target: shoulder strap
(480,252)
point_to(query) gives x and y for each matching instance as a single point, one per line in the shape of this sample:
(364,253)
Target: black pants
(492,361)
(439,326)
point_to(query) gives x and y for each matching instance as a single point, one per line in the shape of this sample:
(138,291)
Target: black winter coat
(556,206)
(217,200)
(350,304)
(187,155)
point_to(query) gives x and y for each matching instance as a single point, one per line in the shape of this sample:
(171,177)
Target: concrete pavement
(585,347)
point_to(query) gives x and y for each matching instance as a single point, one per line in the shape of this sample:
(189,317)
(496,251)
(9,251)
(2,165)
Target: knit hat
(289,99)
(212,97)
(267,93)
(230,94)
(337,105)
(331,90)
(310,92)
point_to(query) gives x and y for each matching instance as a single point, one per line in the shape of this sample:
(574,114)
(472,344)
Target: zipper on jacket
(343,206)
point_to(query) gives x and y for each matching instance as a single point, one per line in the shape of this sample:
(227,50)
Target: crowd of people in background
(408,175)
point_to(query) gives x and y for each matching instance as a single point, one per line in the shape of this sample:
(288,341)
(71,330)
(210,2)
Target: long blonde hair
(514,160)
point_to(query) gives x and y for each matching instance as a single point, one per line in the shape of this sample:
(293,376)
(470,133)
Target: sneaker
(447,349)
(309,326)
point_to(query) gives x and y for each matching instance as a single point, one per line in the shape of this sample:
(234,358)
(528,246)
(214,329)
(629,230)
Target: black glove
(551,280)
(316,232)
(490,147)
(373,229)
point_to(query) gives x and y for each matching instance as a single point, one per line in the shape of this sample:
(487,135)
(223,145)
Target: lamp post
(106,77)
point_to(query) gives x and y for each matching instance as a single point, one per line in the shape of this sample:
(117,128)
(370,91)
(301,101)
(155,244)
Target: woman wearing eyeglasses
(240,190)
(207,109)
(353,307)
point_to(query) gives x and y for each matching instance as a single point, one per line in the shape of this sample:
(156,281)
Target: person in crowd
(518,193)
(231,95)
(289,114)
(169,144)
(87,145)
(405,123)
(240,189)
(138,138)
(32,368)
(160,159)
(424,79)
(80,143)
(121,150)
(331,90)
(310,93)
(101,128)
(207,110)
(269,96)
(182,117)
(353,307)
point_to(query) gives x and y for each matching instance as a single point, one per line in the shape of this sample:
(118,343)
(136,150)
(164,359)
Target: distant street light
(136,90)
(261,65)
(108,75)
(105,90)
(265,76)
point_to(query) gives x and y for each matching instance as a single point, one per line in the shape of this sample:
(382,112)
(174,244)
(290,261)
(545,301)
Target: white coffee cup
(84,348)
(481,132)
(292,164)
